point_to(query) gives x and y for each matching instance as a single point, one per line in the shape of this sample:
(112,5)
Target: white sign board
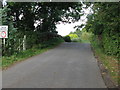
(3,31)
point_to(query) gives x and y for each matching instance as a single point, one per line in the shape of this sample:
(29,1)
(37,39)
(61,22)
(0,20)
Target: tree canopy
(104,23)
(35,22)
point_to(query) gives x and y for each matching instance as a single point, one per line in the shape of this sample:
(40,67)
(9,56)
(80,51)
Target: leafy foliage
(104,23)
(73,36)
(31,24)
(80,36)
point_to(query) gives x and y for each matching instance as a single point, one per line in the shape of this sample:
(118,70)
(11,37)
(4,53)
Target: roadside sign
(3,31)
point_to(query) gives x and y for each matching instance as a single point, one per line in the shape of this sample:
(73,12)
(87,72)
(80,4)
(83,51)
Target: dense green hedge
(110,43)
(67,38)
(104,24)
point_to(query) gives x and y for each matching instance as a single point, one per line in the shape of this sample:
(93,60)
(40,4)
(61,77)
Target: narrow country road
(70,65)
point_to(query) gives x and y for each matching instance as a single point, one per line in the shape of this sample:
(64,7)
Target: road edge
(104,72)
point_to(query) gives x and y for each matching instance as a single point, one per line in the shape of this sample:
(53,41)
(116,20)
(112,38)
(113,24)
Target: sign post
(3,31)
(0,47)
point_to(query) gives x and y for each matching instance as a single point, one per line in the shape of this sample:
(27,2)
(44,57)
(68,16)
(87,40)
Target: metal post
(0,47)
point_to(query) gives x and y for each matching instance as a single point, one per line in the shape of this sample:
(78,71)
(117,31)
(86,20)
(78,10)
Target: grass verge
(109,62)
(9,61)
(111,65)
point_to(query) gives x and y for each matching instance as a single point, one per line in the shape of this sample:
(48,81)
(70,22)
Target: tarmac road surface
(69,65)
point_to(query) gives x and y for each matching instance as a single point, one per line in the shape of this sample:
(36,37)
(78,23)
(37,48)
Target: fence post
(24,43)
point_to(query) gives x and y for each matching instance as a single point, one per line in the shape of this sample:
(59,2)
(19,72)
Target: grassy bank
(38,49)
(110,62)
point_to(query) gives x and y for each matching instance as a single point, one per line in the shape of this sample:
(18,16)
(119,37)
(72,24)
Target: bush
(67,39)
(73,36)
(51,42)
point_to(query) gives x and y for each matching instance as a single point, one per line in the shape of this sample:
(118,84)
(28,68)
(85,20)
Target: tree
(21,18)
(104,23)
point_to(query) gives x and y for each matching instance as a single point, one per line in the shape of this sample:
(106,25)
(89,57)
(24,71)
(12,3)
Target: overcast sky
(65,29)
